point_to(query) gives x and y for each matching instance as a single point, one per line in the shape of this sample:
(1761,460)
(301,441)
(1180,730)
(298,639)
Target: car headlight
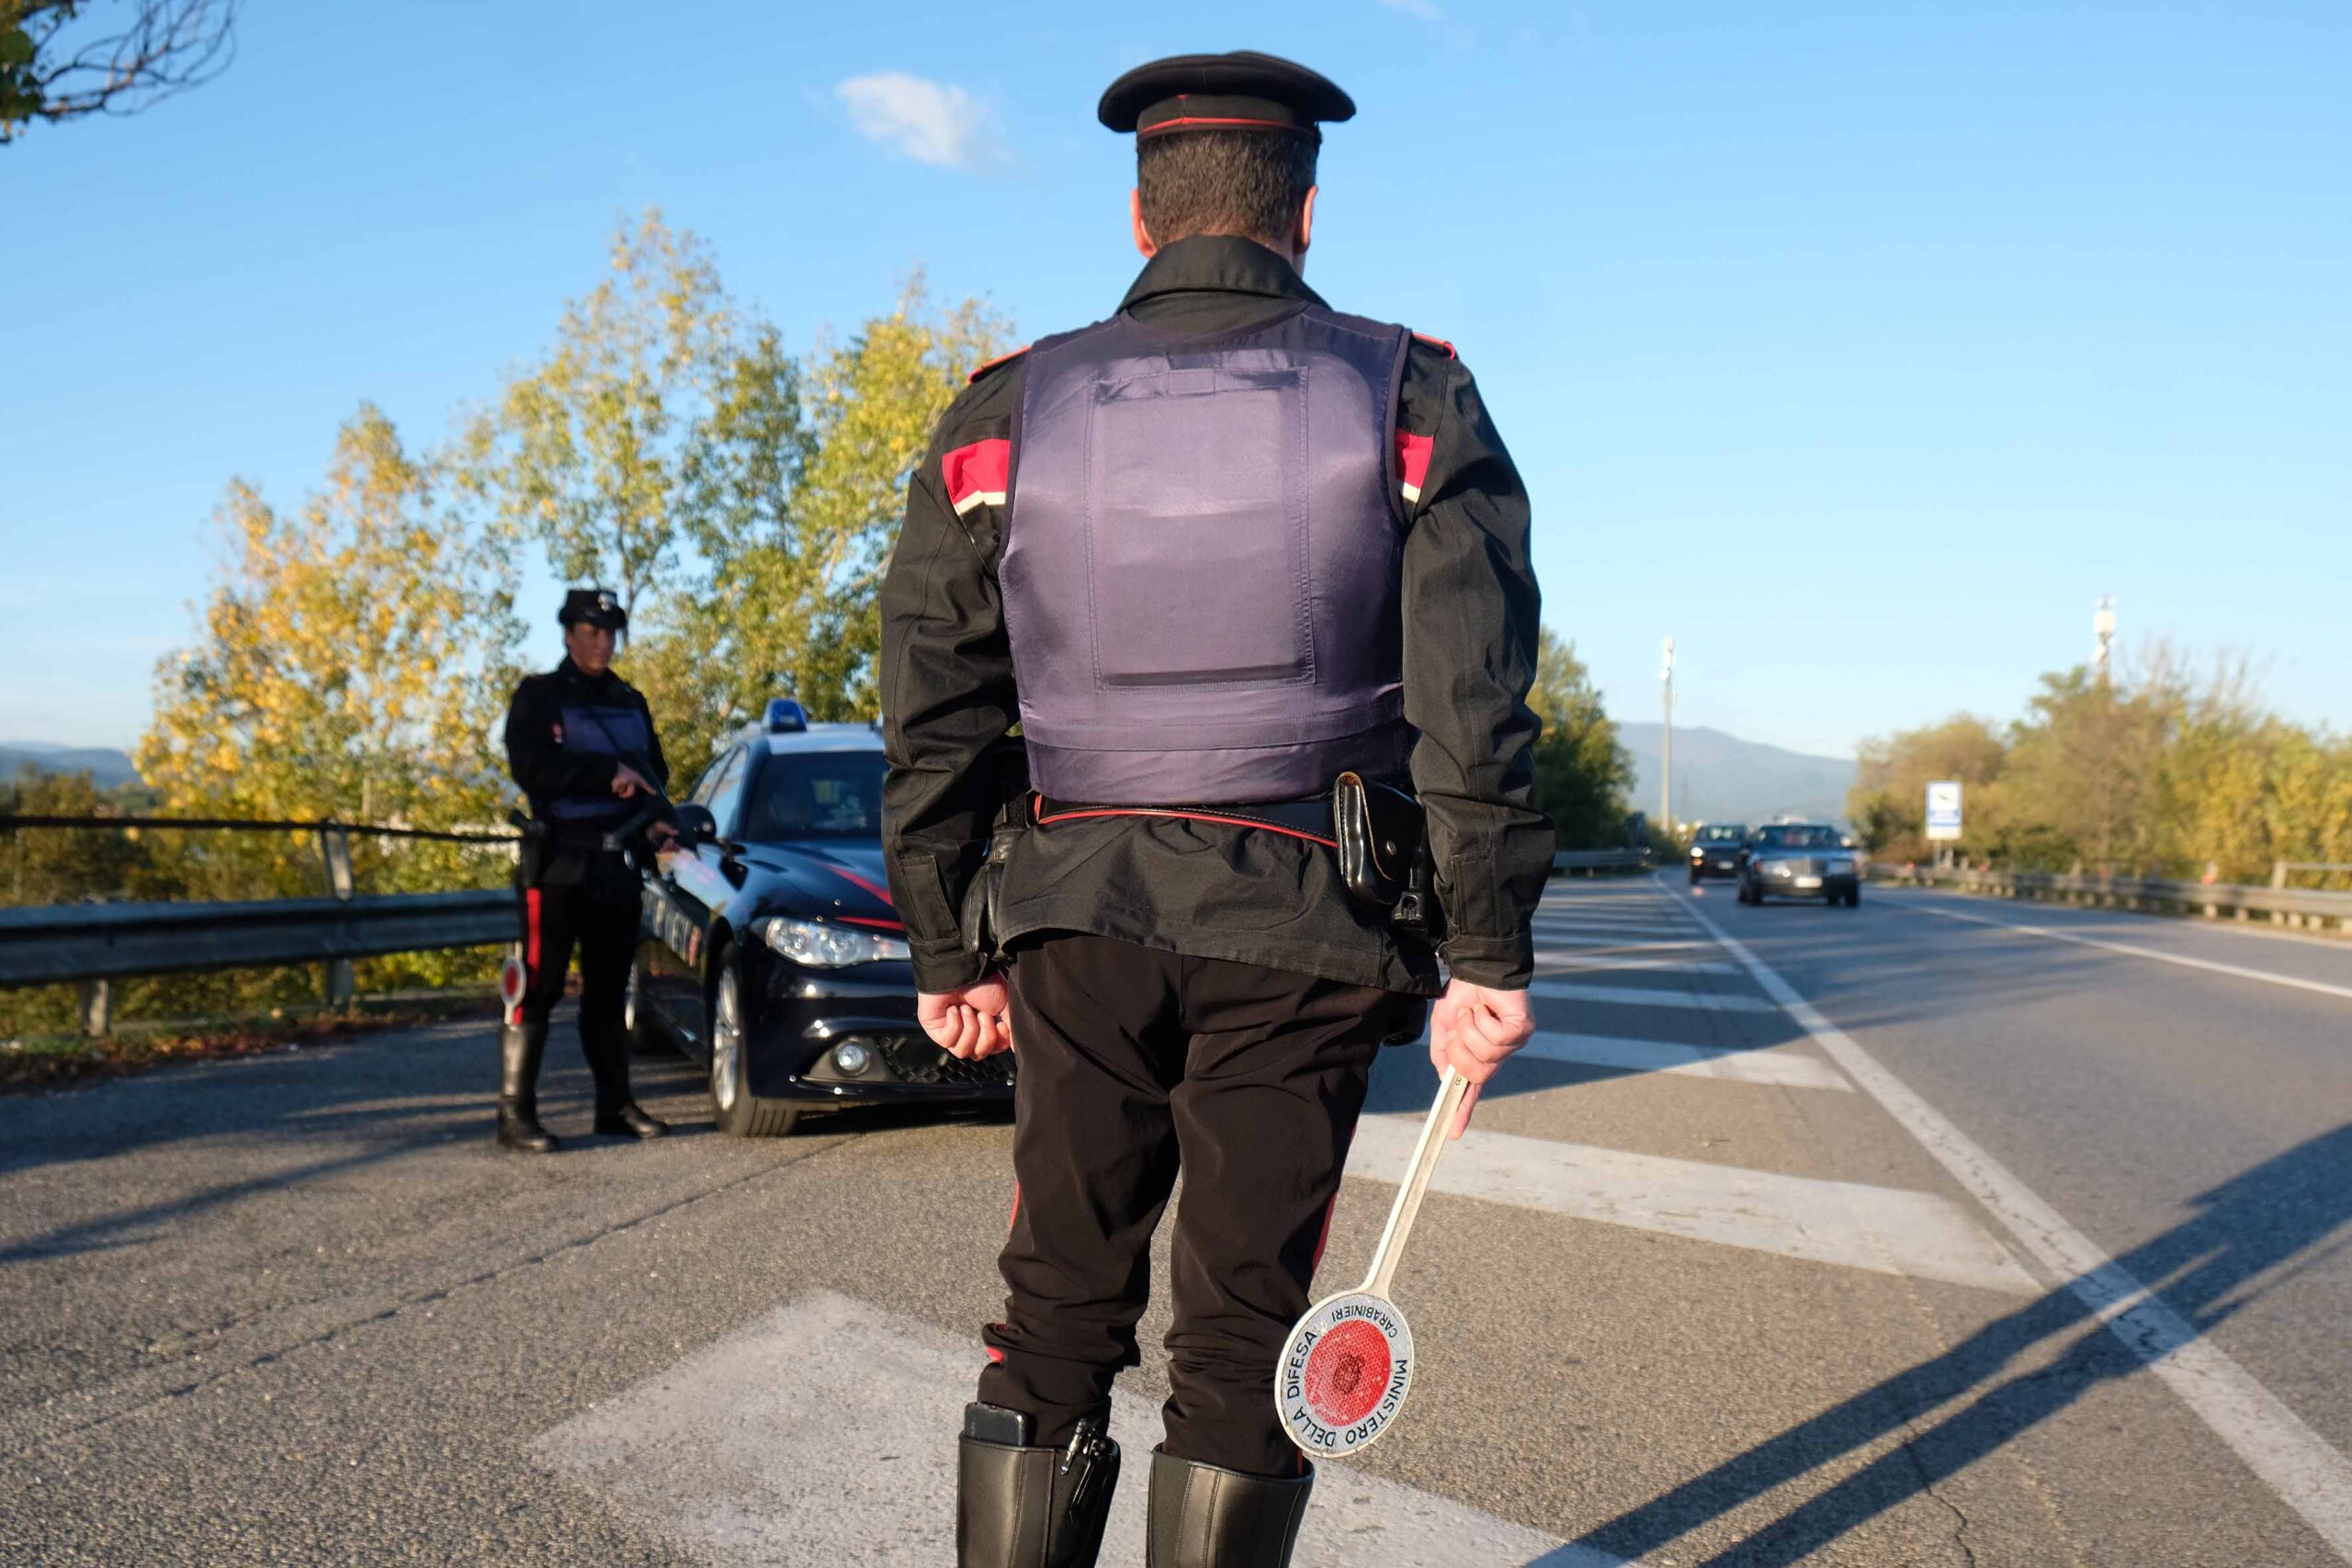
(1697,852)
(820,944)
(1775,868)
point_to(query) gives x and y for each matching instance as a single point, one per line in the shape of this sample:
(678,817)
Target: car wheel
(738,1113)
(1695,879)
(1854,899)
(645,1037)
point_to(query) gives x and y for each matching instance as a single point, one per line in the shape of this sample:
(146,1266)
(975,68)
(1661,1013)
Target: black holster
(982,911)
(1384,848)
(531,853)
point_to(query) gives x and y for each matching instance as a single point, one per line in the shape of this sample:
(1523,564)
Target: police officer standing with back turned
(1250,575)
(580,741)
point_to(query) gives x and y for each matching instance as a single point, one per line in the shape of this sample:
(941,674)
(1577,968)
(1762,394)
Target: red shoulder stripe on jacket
(993,364)
(1432,342)
(976,475)
(1413,462)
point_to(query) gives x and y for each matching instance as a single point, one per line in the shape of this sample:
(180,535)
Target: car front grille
(1794,866)
(920,1061)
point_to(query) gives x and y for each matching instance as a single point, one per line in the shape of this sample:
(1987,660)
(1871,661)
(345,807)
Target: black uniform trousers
(1134,1062)
(599,915)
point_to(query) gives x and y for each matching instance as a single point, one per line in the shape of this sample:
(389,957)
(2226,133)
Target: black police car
(1799,860)
(1714,850)
(771,950)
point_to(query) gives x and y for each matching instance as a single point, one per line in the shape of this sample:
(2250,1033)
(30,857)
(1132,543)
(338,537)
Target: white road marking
(1881,1228)
(1633,996)
(1582,919)
(2307,1472)
(1691,1061)
(1905,893)
(2235,970)
(825,1432)
(1552,958)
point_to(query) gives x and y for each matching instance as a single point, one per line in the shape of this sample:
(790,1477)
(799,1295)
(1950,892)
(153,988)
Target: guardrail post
(334,848)
(98,1008)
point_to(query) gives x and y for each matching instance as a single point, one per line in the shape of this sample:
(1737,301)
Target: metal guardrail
(2296,908)
(1589,860)
(95,944)
(57,943)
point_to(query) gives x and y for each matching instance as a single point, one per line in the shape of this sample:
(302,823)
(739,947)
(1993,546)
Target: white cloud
(930,121)
(1424,9)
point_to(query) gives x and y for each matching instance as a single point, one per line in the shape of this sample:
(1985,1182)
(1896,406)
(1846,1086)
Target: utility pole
(1665,744)
(2102,634)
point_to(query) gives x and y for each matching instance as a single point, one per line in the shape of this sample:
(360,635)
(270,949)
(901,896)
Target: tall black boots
(1022,1506)
(605,1044)
(1203,1517)
(520,1046)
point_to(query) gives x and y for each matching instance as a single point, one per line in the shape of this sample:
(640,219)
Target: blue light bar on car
(786,717)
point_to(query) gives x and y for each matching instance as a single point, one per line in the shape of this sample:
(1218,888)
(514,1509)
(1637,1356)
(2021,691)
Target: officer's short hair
(1251,183)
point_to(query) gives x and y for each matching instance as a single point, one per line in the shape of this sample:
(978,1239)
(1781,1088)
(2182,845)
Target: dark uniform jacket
(1471,614)
(549,771)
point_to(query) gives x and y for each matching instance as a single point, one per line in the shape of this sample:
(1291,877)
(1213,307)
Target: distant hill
(105,766)
(1721,778)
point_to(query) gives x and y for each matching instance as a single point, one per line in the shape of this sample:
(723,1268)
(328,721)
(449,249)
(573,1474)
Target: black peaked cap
(1244,90)
(597,606)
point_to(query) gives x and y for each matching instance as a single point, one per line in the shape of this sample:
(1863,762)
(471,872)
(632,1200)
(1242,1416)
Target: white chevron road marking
(1636,997)
(825,1433)
(1690,1061)
(1881,1228)
(1554,958)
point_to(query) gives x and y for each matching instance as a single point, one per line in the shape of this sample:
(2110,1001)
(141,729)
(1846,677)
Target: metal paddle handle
(1416,1181)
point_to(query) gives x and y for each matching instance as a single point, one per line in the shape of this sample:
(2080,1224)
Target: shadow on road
(2256,1224)
(314,1116)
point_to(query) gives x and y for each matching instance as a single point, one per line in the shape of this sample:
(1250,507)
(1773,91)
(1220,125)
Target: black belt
(1306,818)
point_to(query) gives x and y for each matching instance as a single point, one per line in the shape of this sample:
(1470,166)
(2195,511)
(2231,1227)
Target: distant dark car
(1714,850)
(1799,860)
(771,950)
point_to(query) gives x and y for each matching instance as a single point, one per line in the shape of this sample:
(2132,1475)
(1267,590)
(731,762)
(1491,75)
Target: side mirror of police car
(695,824)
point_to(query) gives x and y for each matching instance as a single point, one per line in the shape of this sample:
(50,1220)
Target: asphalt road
(1876,1237)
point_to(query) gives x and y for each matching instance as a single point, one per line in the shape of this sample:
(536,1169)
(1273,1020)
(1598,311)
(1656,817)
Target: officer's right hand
(1473,1030)
(969,1022)
(627,780)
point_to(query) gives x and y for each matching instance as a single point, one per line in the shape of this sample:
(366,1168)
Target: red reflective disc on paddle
(1347,1372)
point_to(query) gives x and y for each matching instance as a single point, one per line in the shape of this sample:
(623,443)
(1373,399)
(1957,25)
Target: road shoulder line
(2300,1466)
(2236,971)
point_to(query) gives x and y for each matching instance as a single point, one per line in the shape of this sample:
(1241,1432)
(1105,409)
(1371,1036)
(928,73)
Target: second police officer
(580,741)
(1214,556)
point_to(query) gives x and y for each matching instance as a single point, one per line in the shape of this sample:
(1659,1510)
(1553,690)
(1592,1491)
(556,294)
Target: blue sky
(1859,348)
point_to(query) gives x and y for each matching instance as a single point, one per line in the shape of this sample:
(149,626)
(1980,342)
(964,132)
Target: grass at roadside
(40,1062)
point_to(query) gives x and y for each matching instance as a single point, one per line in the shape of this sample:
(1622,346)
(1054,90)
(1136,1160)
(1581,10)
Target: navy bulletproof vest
(1201,567)
(609,731)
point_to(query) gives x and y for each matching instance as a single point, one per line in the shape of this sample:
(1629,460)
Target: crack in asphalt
(401,1305)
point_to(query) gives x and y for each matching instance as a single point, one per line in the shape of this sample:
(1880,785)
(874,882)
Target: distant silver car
(1799,860)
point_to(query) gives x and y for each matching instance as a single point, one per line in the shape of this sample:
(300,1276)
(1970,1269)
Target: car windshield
(815,795)
(1719,835)
(1797,836)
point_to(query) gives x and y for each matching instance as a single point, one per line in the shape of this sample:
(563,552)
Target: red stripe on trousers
(531,936)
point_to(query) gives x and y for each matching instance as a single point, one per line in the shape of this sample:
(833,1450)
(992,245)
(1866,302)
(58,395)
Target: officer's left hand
(969,1022)
(1473,1030)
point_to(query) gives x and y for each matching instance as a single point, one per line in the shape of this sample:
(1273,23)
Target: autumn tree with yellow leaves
(740,499)
(352,663)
